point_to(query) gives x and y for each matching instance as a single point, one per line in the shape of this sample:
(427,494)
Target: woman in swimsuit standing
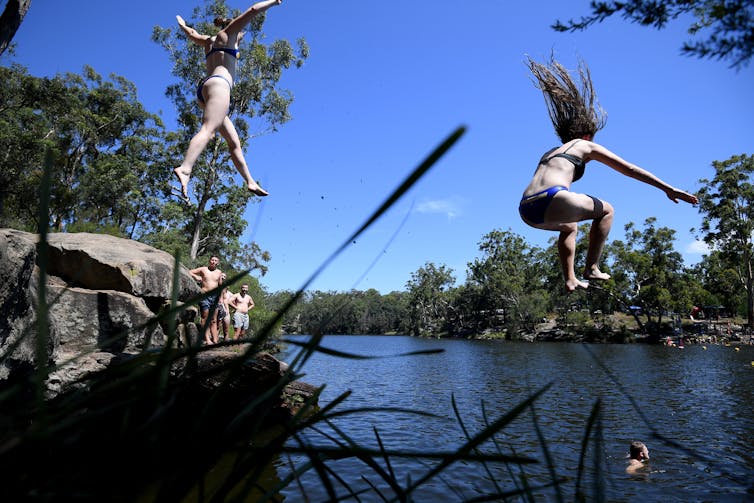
(547,202)
(213,94)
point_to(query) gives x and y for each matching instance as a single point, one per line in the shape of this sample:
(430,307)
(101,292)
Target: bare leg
(217,96)
(213,328)
(597,237)
(207,330)
(567,254)
(228,131)
(222,328)
(239,333)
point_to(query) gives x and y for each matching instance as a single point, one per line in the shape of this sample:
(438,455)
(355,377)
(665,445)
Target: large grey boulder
(102,262)
(102,292)
(18,293)
(91,320)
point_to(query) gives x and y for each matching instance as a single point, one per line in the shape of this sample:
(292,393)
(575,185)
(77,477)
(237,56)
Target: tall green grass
(136,432)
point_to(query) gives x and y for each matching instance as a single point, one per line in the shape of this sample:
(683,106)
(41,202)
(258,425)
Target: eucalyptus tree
(650,273)
(103,147)
(727,205)
(291,320)
(719,283)
(508,281)
(330,312)
(429,299)
(727,24)
(260,106)
(23,133)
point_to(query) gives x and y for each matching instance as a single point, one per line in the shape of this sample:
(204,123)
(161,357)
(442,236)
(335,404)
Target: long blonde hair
(574,111)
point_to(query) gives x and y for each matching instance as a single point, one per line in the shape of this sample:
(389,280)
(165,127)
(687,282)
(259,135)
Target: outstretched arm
(599,153)
(238,23)
(193,35)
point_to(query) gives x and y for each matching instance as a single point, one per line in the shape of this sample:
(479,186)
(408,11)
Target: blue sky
(386,82)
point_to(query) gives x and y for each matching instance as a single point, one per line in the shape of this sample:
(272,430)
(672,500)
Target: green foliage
(649,272)
(505,281)
(728,24)
(720,283)
(109,167)
(355,312)
(429,299)
(104,148)
(727,227)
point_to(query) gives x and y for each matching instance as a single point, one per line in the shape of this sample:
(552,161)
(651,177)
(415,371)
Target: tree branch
(10,20)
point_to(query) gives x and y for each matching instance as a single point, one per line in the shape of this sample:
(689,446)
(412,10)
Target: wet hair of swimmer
(636,449)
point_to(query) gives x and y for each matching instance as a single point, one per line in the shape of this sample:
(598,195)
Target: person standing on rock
(209,277)
(242,303)
(223,311)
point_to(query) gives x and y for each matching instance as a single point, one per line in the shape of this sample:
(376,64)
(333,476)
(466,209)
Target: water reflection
(700,400)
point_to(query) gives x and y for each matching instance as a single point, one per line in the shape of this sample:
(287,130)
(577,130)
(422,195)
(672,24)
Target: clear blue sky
(387,81)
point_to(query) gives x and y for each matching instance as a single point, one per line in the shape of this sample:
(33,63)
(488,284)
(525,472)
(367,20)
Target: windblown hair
(574,111)
(222,22)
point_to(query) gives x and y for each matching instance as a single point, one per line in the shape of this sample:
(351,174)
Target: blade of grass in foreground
(466,434)
(43,328)
(409,182)
(596,411)
(488,432)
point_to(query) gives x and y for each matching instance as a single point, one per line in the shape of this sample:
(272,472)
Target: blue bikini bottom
(199,95)
(532,208)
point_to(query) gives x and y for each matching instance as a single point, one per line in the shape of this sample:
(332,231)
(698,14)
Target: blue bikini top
(578,164)
(229,50)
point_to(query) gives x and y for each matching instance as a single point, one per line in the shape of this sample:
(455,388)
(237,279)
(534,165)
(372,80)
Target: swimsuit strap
(572,144)
(578,163)
(563,154)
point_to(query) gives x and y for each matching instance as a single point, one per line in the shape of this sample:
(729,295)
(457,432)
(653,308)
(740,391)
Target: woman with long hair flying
(547,201)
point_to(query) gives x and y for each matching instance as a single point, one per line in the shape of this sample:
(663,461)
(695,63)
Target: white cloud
(697,248)
(448,207)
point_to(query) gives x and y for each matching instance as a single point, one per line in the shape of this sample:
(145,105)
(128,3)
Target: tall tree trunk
(197,233)
(10,20)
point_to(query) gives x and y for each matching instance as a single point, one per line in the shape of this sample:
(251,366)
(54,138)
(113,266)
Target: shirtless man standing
(242,303)
(223,311)
(209,277)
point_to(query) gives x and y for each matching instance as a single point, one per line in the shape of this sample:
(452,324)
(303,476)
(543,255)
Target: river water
(693,407)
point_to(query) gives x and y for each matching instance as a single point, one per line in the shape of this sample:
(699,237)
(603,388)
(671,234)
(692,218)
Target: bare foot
(596,274)
(255,189)
(183,179)
(573,284)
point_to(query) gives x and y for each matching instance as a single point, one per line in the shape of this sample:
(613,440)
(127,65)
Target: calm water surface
(701,400)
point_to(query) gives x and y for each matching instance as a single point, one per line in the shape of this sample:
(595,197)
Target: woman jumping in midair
(213,94)
(547,202)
